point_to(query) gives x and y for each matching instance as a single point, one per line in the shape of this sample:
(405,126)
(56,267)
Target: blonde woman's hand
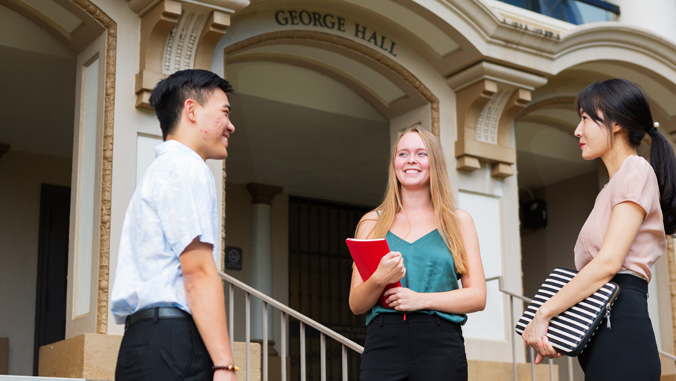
(405,299)
(390,269)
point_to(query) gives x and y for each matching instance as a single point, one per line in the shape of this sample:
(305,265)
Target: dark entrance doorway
(50,309)
(320,271)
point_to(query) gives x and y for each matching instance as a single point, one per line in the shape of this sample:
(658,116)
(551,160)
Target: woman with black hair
(622,237)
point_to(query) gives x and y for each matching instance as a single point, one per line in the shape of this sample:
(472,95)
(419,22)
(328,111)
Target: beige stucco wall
(568,205)
(21,176)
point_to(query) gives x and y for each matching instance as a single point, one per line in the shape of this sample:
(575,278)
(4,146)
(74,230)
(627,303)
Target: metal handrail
(512,295)
(668,355)
(284,311)
(532,351)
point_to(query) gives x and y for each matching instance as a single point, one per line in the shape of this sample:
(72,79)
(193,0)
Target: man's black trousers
(163,349)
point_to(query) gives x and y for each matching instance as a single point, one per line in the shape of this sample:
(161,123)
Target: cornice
(498,73)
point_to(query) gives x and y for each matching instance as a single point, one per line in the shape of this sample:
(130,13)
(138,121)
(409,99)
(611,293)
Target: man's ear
(190,109)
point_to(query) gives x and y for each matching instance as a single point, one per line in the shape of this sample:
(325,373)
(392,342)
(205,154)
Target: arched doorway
(315,115)
(57,98)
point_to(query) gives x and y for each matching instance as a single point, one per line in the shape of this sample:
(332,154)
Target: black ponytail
(664,163)
(624,103)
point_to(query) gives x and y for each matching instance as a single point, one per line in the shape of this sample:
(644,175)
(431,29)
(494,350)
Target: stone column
(260,257)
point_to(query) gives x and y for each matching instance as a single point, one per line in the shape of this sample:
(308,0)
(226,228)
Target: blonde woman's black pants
(420,348)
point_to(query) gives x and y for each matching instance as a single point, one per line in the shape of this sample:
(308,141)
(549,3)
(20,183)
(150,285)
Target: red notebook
(367,254)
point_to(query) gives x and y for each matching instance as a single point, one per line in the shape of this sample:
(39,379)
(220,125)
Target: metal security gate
(320,270)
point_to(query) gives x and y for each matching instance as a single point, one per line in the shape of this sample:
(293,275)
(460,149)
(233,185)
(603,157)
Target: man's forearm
(204,293)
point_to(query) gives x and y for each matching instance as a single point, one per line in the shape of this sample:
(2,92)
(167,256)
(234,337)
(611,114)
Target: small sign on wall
(233,258)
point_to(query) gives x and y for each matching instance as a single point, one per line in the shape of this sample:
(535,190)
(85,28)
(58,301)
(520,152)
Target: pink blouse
(635,182)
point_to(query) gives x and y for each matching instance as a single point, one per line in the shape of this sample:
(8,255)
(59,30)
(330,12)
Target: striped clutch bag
(570,332)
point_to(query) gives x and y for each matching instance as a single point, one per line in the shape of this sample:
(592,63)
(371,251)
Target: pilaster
(488,97)
(260,258)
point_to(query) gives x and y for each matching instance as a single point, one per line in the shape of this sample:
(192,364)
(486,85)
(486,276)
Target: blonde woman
(433,245)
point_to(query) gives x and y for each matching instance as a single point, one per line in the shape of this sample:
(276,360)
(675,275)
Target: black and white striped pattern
(570,332)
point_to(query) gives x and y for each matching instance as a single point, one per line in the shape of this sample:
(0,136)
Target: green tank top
(429,268)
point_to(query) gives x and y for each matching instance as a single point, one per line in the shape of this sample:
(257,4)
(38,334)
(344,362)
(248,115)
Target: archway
(58,93)
(316,114)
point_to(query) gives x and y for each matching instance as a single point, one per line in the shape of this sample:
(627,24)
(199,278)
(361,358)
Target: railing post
(265,341)
(231,318)
(322,354)
(248,336)
(532,363)
(302,352)
(344,362)
(511,324)
(282,318)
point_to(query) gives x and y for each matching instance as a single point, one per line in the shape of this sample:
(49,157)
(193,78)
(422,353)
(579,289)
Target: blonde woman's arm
(364,295)
(470,298)
(625,222)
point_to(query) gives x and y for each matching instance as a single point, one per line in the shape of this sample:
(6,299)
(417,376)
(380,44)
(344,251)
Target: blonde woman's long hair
(441,196)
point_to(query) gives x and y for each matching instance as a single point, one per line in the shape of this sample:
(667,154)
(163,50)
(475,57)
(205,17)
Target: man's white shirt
(174,203)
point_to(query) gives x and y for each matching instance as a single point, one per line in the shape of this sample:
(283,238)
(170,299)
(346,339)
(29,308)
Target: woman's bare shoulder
(367,225)
(464,218)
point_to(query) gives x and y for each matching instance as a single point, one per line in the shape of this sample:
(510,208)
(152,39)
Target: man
(167,290)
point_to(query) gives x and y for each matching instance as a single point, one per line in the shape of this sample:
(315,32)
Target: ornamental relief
(179,50)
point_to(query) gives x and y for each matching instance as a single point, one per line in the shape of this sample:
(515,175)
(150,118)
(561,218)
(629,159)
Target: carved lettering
(341,24)
(317,19)
(283,21)
(326,23)
(373,39)
(302,19)
(294,17)
(357,31)
(333,22)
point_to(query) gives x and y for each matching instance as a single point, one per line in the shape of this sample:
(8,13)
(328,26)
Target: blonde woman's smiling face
(411,162)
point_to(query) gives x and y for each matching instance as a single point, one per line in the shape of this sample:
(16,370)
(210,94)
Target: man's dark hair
(170,93)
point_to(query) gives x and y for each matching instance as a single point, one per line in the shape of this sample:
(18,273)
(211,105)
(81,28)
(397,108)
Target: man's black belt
(156,314)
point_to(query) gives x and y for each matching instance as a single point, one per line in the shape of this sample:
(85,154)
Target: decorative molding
(156,26)
(213,31)
(176,37)
(262,194)
(544,103)
(364,50)
(4,148)
(488,98)
(498,73)
(489,117)
(107,161)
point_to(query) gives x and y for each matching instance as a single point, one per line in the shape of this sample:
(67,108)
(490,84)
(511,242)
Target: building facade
(322,87)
